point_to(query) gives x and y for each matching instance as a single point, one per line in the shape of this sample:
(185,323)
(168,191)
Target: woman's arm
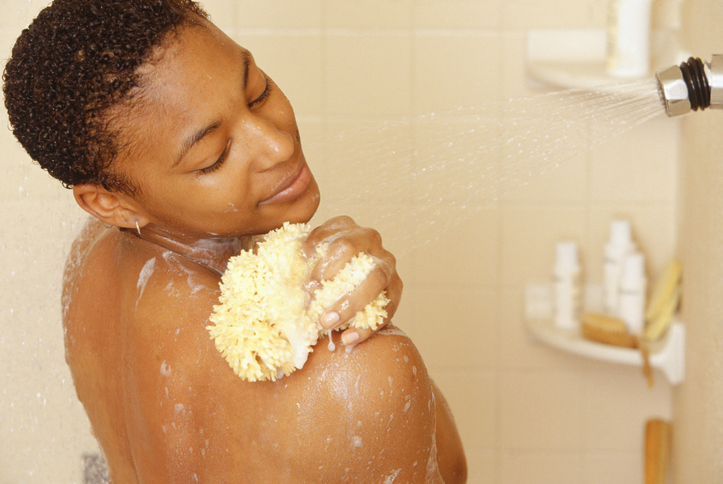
(450,453)
(370,415)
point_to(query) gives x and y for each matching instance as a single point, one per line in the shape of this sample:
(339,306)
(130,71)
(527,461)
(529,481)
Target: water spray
(691,86)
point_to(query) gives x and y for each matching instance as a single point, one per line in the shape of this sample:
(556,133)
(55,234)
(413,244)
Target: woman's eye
(263,95)
(219,162)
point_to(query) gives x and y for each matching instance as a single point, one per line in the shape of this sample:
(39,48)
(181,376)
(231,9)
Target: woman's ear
(109,207)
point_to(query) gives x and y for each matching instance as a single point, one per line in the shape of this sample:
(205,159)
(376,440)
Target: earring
(138,229)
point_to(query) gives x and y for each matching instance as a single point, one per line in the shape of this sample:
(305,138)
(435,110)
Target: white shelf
(569,75)
(568,59)
(666,355)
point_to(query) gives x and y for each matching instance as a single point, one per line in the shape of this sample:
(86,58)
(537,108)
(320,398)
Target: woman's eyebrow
(195,138)
(201,133)
(246,62)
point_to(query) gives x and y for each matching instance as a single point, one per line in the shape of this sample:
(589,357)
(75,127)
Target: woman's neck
(211,252)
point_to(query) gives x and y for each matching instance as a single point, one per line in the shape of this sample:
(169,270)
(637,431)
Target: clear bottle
(618,247)
(566,282)
(633,286)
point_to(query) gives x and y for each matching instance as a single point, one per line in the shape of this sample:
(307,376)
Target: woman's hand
(346,239)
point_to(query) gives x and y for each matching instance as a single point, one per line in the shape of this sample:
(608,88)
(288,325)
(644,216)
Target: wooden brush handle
(657,443)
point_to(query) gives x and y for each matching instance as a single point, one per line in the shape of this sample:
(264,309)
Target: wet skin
(215,151)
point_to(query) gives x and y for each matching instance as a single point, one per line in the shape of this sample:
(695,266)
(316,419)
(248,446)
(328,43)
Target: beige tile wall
(698,403)
(527,413)
(43,429)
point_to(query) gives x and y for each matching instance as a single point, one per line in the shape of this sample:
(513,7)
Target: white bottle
(566,282)
(619,246)
(628,52)
(633,285)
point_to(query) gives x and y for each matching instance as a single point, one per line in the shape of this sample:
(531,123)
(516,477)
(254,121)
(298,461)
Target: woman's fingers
(345,240)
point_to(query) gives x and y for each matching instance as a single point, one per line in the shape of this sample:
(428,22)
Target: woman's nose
(270,144)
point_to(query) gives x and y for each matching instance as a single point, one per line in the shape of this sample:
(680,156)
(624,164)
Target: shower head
(691,86)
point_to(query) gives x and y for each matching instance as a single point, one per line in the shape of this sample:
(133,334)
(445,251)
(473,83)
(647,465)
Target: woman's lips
(292,188)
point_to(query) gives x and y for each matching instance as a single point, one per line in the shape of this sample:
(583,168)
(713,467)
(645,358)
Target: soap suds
(392,477)
(143,277)
(195,287)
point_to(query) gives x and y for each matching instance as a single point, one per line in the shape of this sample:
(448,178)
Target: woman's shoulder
(117,278)
(91,237)
(373,405)
(168,300)
(388,354)
(384,374)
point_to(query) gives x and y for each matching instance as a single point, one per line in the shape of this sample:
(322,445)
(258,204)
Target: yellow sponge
(263,326)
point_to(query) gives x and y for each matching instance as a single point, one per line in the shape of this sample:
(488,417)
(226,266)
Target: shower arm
(691,86)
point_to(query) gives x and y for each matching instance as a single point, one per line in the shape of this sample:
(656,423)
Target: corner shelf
(568,59)
(666,354)
(569,75)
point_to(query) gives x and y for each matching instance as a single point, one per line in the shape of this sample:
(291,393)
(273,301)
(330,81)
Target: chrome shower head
(691,86)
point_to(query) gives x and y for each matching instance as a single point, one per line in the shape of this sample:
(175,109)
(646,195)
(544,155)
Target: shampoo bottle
(566,281)
(633,285)
(619,246)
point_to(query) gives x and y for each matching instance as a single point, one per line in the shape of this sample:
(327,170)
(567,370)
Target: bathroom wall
(698,403)
(527,413)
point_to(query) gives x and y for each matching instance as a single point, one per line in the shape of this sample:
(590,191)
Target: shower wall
(44,433)
(527,413)
(698,403)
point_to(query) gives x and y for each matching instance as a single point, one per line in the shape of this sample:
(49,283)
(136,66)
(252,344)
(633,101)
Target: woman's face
(213,144)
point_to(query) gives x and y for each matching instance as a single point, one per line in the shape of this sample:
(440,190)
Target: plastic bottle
(628,52)
(633,285)
(566,281)
(619,246)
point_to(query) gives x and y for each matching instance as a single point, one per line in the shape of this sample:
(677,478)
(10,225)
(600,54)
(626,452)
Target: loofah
(262,326)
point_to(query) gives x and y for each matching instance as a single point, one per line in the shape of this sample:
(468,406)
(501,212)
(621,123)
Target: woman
(183,150)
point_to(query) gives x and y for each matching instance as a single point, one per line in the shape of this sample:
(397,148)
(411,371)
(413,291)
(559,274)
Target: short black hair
(76,60)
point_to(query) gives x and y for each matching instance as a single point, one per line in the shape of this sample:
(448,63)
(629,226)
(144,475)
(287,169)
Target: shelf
(666,355)
(568,59)
(569,75)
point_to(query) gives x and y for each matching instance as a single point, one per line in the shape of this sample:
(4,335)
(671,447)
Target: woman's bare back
(166,407)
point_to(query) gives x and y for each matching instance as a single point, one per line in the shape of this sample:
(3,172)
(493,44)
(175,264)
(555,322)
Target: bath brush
(264,325)
(613,331)
(656,327)
(657,451)
(608,330)
(664,300)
